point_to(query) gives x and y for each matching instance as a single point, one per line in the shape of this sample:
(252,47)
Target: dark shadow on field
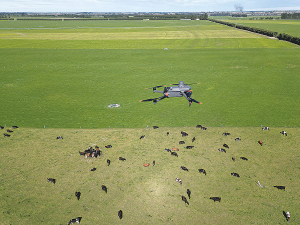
(284,213)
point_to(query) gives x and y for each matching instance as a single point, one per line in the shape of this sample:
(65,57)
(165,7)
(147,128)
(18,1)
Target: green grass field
(62,75)
(66,77)
(291,27)
(149,195)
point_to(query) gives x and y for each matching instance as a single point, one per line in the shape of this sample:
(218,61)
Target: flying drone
(180,90)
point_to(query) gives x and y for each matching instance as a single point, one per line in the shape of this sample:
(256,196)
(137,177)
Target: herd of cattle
(94,153)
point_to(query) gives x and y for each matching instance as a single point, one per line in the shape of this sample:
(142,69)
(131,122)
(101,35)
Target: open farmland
(62,75)
(291,27)
(67,76)
(149,195)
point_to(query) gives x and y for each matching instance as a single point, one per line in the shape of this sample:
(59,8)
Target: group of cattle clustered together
(94,153)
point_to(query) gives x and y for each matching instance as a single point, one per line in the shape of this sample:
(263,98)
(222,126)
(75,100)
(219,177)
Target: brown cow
(146,164)
(260,142)
(175,149)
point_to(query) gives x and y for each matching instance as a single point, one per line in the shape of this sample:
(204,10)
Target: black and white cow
(235,174)
(283,133)
(202,171)
(51,180)
(222,150)
(76,220)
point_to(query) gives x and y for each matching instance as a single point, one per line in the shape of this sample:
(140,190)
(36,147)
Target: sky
(145,5)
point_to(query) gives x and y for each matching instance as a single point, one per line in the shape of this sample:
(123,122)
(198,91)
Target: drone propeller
(157,86)
(154,99)
(186,84)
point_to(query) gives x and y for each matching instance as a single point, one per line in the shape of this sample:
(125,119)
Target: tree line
(280,36)
(290,15)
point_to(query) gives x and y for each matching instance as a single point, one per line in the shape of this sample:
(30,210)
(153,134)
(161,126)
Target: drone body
(176,91)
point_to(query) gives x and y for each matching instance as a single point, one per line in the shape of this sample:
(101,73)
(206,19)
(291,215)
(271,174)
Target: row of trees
(106,16)
(290,15)
(280,36)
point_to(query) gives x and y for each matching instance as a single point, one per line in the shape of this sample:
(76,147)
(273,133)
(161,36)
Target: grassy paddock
(72,88)
(62,78)
(291,27)
(149,195)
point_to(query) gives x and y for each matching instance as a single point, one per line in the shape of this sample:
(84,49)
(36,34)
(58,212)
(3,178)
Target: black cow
(237,139)
(188,193)
(203,128)
(143,136)
(108,146)
(6,135)
(122,159)
(93,169)
(104,188)
(194,138)
(168,133)
(120,214)
(181,142)
(280,187)
(108,162)
(155,127)
(76,220)
(15,127)
(184,134)
(1,127)
(283,133)
(244,158)
(225,146)
(153,163)
(198,126)
(59,137)
(226,134)
(265,128)
(189,147)
(184,199)
(202,171)
(78,194)
(167,150)
(184,168)
(222,150)
(51,180)
(9,131)
(174,153)
(216,199)
(235,174)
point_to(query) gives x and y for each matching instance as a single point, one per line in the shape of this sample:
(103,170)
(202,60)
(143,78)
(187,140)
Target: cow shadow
(284,213)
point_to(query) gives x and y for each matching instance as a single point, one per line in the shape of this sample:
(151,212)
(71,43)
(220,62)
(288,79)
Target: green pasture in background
(291,27)
(69,79)
(149,195)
